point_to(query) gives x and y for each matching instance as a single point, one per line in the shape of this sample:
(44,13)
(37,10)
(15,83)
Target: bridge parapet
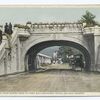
(23,34)
(91,30)
(56,27)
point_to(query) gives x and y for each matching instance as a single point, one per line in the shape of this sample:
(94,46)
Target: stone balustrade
(56,27)
(59,28)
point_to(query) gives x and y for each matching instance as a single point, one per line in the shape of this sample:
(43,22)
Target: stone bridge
(18,54)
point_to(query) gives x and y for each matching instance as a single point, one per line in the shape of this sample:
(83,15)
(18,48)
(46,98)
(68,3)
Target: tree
(67,50)
(88,18)
(62,52)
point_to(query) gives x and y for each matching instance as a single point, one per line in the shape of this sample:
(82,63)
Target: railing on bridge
(89,30)
(56,28)
(43,59)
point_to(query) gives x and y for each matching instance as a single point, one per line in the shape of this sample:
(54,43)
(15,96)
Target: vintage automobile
(76,61)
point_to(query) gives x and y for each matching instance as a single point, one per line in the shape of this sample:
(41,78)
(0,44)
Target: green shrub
(21,26)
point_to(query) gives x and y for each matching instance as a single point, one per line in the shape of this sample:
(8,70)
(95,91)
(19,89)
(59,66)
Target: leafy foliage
(66,50)
(21,26)
(89,19)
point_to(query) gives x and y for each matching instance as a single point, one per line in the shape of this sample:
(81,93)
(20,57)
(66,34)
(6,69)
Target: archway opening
(31,55)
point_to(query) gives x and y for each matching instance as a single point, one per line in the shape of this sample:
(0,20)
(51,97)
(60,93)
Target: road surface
(55,79)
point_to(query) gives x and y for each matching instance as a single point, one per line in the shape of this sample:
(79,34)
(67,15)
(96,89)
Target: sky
(50,50)
(44,14)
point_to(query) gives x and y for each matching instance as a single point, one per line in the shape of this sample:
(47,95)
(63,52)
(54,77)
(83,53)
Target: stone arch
(31,42)
(74,42)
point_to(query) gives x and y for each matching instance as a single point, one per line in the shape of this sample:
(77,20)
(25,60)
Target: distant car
(76,61)
(79,61)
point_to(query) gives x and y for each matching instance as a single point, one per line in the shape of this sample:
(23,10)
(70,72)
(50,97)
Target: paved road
(52,80)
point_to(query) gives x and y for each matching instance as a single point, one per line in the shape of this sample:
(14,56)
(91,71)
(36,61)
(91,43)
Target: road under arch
(32,52)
